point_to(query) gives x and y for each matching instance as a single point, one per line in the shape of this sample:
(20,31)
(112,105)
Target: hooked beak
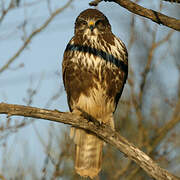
(91,25)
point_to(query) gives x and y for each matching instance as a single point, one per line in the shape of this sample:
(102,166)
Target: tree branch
(5,11)
(148,13)
(102,131)
(162,132)
(33,34)
(173,1)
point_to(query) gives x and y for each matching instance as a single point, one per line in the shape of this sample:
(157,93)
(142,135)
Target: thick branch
(173,1)
(148,13)
(103,131)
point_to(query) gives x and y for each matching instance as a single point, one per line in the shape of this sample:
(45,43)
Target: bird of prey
(95,69)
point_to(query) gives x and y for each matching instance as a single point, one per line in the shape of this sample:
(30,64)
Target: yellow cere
(91,23)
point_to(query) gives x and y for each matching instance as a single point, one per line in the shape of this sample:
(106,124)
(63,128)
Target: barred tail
(88,158)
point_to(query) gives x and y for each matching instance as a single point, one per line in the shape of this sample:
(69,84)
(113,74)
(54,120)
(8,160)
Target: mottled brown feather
(93,83)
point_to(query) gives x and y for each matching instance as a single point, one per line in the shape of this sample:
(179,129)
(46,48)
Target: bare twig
(33,34)
(162,132)
(103,131)
(5,11)
(151,144)
(147,69)
(148,13)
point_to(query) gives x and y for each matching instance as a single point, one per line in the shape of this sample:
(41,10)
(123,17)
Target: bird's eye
(82,22)
(99,22)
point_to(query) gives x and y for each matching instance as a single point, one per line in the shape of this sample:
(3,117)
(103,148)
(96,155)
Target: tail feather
(88,153)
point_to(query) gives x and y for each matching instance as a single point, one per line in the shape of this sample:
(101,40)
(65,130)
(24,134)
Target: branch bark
(102,131)
(148,13)
(173,1)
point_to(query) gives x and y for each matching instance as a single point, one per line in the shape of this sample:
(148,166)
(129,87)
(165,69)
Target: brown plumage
(95,68)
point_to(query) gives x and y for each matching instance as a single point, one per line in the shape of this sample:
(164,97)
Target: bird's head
(92,22)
